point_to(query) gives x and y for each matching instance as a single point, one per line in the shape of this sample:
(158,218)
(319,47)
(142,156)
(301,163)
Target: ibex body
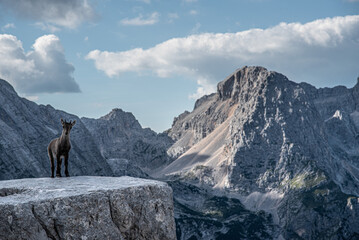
(59,148)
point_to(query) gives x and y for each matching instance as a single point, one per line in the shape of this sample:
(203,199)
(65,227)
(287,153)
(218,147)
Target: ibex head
(67,126)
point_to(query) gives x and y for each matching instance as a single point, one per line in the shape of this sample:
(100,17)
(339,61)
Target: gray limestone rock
(27,128)
(86,208)
(119,135)
(287,148)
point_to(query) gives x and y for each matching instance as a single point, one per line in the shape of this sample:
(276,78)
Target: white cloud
(323,49)
(8,26)
(64,13)
(44,69)
(141,21)
(32,98)
(47,27)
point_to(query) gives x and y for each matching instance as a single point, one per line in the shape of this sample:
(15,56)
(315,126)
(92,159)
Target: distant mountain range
(262,158)
(113,145)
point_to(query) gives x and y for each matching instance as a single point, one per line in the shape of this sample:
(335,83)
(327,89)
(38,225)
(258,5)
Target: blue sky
(155,57)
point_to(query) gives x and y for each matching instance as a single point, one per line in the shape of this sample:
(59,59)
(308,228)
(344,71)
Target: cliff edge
(86,208)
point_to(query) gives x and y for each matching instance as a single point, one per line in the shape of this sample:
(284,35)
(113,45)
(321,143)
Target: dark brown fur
(59,148)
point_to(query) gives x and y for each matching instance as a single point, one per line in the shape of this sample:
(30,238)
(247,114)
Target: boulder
(86,208)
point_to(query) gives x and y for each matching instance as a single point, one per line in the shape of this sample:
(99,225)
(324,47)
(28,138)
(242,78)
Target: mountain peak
(249,76)
(6,86)
(117,113)
(121,118)
(357,84)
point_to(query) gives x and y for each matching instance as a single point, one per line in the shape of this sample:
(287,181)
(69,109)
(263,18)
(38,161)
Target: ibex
(60,147)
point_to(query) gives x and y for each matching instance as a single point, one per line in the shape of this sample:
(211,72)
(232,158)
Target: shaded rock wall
(86,208)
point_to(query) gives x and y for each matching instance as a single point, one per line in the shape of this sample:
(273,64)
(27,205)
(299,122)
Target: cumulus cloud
(44,69)
(64,13)
(141,20)
(325,49)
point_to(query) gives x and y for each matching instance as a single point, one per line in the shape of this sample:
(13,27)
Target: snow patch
(338,115)
(267,202)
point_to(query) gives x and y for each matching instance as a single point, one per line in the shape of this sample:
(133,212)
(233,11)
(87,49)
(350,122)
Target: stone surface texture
(86,208)
(287,148)
(119,135)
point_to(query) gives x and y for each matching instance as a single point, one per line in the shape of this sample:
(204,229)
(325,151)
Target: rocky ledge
(86,208)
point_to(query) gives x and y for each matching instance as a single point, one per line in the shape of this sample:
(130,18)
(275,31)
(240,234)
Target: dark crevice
(113,220)
(56,230)
(47,231)
(4,192)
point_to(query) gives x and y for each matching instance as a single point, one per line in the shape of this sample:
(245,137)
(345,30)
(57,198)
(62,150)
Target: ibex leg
(66,165)
(52,164)
(58,167)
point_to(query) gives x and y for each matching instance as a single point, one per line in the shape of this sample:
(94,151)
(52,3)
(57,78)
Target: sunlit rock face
(284,147)
(86,208)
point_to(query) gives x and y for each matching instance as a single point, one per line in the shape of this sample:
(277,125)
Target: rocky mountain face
(27,128)
(113,145)
(200,214)
(286,148)
(262,158)
(120,136)
(86,208)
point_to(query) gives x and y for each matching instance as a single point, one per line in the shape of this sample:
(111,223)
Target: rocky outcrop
(86,208)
